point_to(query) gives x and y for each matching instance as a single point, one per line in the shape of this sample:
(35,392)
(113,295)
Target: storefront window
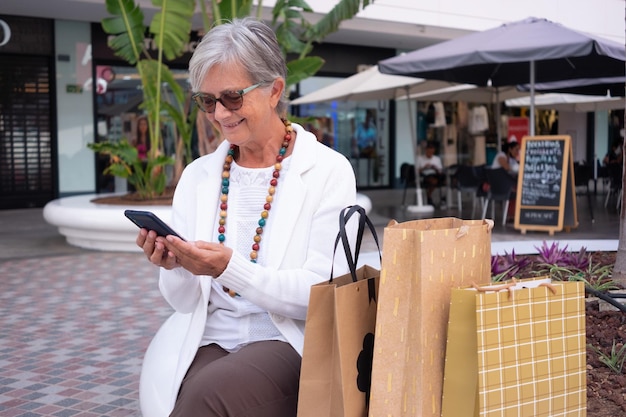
(120,116)
(358,130)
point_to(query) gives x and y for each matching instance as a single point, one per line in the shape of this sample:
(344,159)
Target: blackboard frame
(551,214)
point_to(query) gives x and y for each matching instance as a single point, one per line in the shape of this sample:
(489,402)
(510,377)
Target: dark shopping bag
(339,335)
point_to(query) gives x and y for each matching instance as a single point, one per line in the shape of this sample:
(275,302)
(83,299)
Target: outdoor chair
(582,175)
(469,180)
(615,184)
(407,178)
(500,189)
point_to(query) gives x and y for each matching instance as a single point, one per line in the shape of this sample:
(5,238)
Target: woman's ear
(278,88)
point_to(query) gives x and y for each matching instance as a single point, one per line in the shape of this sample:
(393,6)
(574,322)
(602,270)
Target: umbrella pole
(498,127)
(420,207)
(532,98)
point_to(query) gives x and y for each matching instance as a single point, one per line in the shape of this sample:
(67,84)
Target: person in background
(259,215)
(614,155)
(430,169)
(508,158)
(613,164)
(366,135)
(142,138)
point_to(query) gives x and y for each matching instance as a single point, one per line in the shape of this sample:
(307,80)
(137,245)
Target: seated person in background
(614,156)
(613,164)
(508,158)
(430,169)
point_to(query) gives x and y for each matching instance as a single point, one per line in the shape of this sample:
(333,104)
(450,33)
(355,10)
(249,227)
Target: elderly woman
(259,215)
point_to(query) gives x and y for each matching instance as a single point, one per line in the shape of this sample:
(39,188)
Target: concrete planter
(97,226)
(103,226)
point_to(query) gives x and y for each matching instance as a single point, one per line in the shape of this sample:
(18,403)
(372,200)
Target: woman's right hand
(155,249)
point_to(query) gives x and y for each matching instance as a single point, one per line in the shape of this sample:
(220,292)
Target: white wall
(602,142)
(575,125)
(404,135)
(602,17)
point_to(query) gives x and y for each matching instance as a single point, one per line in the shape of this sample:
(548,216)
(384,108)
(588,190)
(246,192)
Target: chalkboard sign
(546,193)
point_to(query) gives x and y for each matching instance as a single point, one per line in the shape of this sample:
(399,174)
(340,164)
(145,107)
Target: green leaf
(127,29)
(344,10)
(229,9)
(303,68)
(289,41)
(171,26)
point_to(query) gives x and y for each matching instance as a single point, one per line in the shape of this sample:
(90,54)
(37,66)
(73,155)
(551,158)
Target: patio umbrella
(524,52)
(370,85)
(605,86)
(569,102)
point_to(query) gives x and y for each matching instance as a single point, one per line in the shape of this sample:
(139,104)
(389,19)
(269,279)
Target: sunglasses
(232,100)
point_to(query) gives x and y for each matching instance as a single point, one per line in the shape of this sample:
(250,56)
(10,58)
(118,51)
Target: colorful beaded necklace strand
(230,156)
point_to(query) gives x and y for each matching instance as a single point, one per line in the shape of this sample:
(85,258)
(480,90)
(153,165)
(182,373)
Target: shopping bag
(339,335)
(422,261)
(518,351)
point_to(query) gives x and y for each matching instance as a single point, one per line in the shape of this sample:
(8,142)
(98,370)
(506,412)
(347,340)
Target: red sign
(518,127)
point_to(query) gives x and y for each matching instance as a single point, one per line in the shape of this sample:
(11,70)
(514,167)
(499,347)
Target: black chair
(500,189)
(602,174)
(469,180)
(407,178)
(582,175)
(615,184)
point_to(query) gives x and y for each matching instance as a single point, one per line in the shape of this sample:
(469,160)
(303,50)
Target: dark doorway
(27,169)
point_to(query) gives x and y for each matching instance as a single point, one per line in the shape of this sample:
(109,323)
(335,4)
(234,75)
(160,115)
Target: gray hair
(247,42)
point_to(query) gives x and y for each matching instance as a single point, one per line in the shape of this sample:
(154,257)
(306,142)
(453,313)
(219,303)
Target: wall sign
(26,35)
(5,33)
(546,193)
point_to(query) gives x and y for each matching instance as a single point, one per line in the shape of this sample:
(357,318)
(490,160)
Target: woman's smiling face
(238,126)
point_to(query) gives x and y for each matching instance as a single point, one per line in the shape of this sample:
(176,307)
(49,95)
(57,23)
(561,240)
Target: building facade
(62,88)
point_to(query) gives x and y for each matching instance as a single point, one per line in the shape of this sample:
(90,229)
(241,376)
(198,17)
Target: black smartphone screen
(150,221)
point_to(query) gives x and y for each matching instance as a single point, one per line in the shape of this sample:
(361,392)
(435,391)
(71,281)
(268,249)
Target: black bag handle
(342,236)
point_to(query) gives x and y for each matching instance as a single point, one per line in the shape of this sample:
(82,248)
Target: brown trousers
(259,380)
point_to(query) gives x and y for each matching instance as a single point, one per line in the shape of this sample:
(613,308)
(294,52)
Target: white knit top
(233,322)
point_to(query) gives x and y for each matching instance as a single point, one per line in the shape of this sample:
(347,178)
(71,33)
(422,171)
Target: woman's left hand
(199,257)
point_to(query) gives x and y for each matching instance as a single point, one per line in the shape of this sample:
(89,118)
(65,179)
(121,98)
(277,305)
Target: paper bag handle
(510,287)
(342,236)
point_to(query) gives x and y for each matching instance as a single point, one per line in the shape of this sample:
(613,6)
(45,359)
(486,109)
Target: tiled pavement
(74,329)
(74,323)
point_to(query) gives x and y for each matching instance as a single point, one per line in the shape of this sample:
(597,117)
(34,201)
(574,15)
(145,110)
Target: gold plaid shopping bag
(516,352)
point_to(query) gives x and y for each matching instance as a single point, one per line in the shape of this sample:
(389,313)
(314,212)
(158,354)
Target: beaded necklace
(230,156)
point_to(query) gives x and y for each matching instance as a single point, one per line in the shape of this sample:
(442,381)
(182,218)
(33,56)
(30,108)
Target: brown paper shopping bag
(422,261)
(339,337)
(517,353)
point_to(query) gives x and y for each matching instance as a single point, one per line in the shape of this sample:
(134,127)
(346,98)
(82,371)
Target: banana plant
(171,29)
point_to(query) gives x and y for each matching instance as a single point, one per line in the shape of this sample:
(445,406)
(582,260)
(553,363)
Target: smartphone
(150,221)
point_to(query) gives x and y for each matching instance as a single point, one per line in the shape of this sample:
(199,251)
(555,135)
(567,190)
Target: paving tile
(76,323)
(77,334)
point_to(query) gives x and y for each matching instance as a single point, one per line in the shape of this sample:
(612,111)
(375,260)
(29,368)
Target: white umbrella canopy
(370,84)
(603,86)
(569,102)
(470,93)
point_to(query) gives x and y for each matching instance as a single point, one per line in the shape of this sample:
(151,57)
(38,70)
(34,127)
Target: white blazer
(310,195)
